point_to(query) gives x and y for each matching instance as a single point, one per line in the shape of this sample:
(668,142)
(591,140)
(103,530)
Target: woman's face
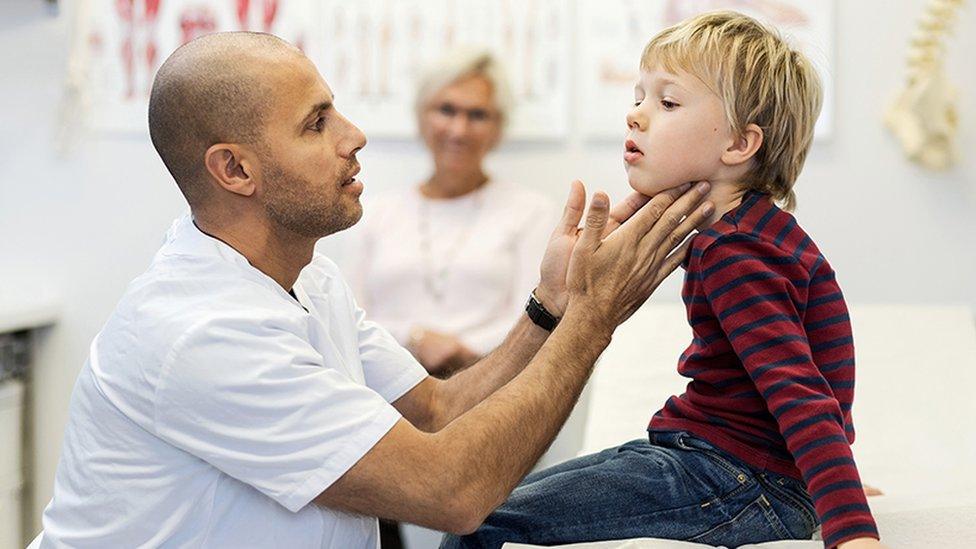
(461,124)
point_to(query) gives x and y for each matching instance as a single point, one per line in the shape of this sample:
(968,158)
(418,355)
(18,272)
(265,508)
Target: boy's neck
(726,196)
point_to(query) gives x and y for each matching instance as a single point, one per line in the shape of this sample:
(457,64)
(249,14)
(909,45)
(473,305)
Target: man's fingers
(672,262)
(662,233)
(596,220)
(573,211)
(684,228)
(625,209)
(647,217)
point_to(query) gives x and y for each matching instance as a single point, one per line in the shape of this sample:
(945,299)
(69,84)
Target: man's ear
(744,146)
(232,167)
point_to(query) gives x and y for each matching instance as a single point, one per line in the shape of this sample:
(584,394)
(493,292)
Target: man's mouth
(352,176)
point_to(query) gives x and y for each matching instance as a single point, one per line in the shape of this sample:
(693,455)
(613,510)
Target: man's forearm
(495,444)
(464,390)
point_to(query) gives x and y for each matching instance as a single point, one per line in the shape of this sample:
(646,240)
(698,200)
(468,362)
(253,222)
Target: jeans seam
(572,526)
(808,517)
(773,519)
(770,515)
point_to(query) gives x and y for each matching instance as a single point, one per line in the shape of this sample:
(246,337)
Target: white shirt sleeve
(253,399)
(389,369)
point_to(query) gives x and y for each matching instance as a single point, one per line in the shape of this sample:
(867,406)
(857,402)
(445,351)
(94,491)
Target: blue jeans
(672,486)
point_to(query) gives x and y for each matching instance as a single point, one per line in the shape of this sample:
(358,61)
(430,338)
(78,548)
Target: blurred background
(85,201)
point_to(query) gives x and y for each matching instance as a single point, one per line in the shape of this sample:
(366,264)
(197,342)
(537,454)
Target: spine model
(923,116)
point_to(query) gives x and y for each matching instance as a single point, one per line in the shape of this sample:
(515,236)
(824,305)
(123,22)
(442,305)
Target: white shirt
(213,408)
(481,251)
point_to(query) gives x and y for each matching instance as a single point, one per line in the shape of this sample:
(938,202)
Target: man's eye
(319,124)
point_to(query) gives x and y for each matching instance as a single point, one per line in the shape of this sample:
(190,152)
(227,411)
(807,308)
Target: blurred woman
(458,249)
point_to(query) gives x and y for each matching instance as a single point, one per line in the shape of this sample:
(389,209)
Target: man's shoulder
(165,302)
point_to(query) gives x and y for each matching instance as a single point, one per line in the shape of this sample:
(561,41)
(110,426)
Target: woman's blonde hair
(761,80)
(459,64)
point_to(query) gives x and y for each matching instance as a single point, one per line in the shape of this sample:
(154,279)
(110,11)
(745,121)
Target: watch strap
(539,315)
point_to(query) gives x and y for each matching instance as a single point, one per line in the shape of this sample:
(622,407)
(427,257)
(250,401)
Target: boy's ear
(744,147)
(231,167)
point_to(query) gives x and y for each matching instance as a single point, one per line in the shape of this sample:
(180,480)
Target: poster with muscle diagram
(374,50)
(572,63)
(612,34)
(370,52)
(125,41)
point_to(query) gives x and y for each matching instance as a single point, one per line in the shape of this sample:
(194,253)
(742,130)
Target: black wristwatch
(538,314)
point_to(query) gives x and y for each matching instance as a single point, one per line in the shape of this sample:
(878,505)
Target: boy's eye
(668,105)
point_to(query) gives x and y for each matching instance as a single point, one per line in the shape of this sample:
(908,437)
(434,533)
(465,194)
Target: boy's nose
(636,120)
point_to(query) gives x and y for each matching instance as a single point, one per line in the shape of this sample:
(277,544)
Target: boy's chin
(647,187)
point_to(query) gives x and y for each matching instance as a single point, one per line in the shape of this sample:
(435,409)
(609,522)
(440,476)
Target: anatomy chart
(374,51)
(564,70)
(612,34)
(125,41)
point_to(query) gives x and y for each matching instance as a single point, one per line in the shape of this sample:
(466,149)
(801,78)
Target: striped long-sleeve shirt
(772,360)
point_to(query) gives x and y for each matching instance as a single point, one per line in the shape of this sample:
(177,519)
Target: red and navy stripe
(772,360)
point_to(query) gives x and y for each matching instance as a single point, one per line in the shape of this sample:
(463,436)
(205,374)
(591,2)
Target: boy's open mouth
(631,153)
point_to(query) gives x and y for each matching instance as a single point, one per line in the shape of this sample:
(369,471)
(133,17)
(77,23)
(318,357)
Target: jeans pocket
(715,456)
(757,522)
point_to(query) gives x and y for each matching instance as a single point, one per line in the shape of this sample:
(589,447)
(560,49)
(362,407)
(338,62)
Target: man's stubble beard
(288,204)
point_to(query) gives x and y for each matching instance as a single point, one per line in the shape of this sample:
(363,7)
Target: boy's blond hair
(760,79)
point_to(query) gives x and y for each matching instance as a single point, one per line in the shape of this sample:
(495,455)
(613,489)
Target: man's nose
(354,140)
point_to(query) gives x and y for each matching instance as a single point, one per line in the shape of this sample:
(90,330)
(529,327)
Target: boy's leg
(639,489)
(634,490)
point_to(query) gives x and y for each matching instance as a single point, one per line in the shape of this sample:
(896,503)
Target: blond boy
(758,447)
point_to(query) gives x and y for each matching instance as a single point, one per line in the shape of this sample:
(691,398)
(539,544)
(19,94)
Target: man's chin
(353,215)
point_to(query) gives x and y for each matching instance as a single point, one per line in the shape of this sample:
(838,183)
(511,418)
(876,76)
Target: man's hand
(611,276)
(552,287)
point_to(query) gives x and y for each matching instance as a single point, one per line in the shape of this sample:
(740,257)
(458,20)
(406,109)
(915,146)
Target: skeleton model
(923,116)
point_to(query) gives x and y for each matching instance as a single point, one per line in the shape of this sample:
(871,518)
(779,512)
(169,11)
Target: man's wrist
(548,300)
(588,319)
(539,315)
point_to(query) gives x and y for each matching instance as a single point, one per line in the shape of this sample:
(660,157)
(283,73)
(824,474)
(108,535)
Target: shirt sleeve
(390,369)
(770,340)
(253,399)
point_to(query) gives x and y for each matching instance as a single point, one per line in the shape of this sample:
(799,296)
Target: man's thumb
(596,220)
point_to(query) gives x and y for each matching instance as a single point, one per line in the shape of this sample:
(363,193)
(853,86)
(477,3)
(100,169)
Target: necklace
(435,280)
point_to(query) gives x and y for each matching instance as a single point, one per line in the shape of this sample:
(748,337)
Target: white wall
(81,225)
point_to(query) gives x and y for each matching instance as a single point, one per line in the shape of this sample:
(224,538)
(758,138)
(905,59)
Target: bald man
(238,397)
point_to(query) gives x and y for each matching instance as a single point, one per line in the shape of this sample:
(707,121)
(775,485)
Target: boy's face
(677,132)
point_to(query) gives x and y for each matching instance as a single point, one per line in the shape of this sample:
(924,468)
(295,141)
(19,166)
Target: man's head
(722,96)
(245,124)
